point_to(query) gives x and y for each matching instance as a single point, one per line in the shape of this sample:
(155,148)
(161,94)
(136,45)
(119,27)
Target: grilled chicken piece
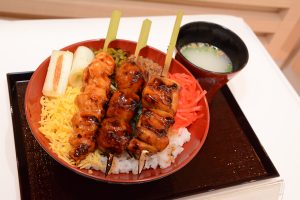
(153,126)
(136,146)
(98,79)
(104,57)
(161,93)
(98,71)
(122,105)
(129,76)
(83,141)
(81,147)
(90,104)
(84,125)
(114,135)
(97,92)
(155,120)
(158,141)
(103,63)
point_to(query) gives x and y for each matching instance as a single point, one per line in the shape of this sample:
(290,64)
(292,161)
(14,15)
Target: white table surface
(269,102)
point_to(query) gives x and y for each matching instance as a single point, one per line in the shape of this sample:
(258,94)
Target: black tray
(231,155)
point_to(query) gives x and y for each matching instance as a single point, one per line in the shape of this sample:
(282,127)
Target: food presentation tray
(231,155)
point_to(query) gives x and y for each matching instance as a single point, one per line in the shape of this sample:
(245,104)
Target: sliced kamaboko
(83,56)
(58,73)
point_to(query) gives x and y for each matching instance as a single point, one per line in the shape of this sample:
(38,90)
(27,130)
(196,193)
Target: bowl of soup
(213,53)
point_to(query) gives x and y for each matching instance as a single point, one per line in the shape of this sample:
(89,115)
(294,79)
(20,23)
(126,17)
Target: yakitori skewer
(172,44)
(112,29)
(115,130)
(144,153)
(91,102)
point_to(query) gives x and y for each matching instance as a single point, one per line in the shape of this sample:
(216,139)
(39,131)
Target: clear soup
(207,57)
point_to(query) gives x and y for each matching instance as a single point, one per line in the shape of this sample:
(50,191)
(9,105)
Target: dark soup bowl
(198,129)
(220,37)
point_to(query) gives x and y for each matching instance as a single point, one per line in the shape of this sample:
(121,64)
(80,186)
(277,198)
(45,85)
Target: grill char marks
(159,100)
(129,77)
(161,93)
(114,135)
(115,132)
(123,105)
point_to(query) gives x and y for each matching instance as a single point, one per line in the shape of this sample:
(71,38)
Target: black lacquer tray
(231,155)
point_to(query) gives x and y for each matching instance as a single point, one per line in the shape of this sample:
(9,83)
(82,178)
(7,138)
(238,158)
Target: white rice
(126,164)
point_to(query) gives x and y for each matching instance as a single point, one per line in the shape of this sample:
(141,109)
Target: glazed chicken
(153,126)
(84,135)
(114,135)
(129,77)
(103,63)
(161,93)
(159,100)
(91,104)
(115,132)
(123,105)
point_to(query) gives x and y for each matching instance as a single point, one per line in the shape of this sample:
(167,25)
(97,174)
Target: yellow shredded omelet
(56,125)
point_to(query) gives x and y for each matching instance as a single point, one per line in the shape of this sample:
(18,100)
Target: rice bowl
(55,125)
(198,129)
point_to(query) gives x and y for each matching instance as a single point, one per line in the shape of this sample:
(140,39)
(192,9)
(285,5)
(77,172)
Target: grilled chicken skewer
(162,94)
(159,100)
(115,132)
(91,104)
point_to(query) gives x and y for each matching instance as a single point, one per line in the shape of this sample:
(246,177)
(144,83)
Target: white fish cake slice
(58,73)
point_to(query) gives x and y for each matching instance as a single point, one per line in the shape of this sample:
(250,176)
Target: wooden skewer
(142,160)
(113,28)
(143,38)
(110,158)
(111,35)
(145,153)
(142,42)
(172,44)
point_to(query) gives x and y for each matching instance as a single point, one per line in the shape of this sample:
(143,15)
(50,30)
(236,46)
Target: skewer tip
(142,160)
(110,158)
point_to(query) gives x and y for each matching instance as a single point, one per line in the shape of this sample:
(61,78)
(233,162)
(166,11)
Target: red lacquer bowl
(198,129)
